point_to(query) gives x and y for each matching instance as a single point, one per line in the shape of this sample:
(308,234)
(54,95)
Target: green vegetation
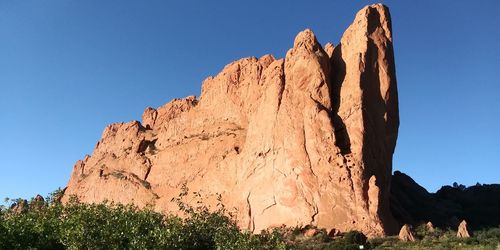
(47,224)
(50,225)
(442,239)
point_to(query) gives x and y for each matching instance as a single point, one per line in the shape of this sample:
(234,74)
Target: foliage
(47,224)
(442,239)
(50,225)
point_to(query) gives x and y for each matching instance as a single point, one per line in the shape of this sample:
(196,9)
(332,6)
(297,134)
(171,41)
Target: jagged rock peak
(372,17)
(329,47)
(304,140)
(307,40)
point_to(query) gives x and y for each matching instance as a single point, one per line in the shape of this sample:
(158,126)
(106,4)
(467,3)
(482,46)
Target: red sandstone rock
(462,231)
(329,47)
(405,234)
(20,207)
(304,140)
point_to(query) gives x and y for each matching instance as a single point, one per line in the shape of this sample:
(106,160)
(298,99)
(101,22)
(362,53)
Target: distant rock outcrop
(304,140)
(19,207)
(412,204)
(37,203)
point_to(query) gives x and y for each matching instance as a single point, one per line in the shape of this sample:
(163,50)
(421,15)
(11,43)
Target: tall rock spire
(366,102)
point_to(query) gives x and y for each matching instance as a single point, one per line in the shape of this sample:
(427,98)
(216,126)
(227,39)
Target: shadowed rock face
(307,139)
(412,204)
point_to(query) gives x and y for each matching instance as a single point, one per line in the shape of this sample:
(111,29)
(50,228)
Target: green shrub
(50,225)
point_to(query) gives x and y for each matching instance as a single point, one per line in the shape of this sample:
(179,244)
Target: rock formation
(39,199)
(429,227)
(405,234)
(304,140)
(19,207)
(37,203)
(462,231)
(412,204)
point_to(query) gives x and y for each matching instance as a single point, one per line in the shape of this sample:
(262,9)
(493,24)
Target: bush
(50,225)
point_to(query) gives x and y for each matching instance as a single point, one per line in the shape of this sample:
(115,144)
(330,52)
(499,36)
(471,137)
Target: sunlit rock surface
(304,140)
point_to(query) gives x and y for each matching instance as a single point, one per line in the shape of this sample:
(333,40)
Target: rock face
(304,140)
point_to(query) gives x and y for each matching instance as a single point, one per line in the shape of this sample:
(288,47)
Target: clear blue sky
(68,68)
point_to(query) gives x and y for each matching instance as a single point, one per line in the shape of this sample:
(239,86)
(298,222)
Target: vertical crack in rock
(313,217)
(309,164)
(281,89)
(251,224)
(338,72)
(310,204)
(270,206)
(349,174)
(147,173)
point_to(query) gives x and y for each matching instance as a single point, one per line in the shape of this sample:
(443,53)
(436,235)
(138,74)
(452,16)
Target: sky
(68,68)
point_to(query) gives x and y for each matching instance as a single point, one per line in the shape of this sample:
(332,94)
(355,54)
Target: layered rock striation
(304,140)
